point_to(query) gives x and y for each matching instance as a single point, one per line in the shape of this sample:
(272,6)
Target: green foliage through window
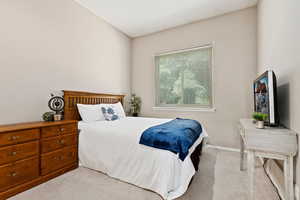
(184,78)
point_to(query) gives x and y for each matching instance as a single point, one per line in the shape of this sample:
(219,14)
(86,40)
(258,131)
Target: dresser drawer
(19,136)
(58,159)
(18,152)
(54,143)
(19,172)
(58,130)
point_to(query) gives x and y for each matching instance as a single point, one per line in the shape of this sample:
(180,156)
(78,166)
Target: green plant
(135,104)
(259,116)
(48,116)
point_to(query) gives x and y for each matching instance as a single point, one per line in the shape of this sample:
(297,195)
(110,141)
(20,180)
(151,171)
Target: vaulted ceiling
(140,17)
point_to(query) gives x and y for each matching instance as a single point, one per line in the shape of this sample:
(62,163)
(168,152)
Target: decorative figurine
(56,103)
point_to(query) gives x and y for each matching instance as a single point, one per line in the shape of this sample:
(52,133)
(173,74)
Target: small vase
(260,124)
(57,117)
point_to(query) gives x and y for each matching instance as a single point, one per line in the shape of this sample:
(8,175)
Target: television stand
(271,143)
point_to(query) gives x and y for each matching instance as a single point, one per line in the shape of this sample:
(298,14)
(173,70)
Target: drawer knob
(14,137)
(61,141)
(13,174)
(62,129)
(13,153)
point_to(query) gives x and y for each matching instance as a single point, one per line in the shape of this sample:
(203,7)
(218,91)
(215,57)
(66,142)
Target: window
(184,78)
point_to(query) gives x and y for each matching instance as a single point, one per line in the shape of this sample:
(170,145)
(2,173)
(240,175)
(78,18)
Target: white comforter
(113,147)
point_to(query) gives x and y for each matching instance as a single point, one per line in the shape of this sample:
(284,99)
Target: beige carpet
(219,178)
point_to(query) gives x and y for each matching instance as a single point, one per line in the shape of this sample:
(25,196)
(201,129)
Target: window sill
(184,109)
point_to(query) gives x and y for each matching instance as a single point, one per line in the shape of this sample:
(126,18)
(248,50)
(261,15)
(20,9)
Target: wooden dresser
(33,153)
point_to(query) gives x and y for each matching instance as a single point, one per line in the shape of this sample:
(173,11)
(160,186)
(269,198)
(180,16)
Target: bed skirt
(195,156)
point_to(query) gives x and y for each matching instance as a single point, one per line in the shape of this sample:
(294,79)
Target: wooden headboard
(72,98)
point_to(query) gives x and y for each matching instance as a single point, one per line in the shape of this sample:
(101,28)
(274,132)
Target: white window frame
(184,107)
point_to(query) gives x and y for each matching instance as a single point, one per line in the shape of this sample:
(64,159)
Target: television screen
(262,95)
(265,96)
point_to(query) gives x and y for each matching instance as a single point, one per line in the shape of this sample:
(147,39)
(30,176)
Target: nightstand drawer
(19,136)
(58,130)
(53,143)
(18,152)
(19,172)
(58,159)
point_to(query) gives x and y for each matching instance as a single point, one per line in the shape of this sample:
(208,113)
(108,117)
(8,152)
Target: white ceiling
(140,17)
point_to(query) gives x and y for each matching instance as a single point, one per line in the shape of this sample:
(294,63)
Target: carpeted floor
(219,178)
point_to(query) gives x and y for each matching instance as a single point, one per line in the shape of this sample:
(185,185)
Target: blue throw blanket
(176,136)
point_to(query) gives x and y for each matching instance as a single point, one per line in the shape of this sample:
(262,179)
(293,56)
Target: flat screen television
(265,97)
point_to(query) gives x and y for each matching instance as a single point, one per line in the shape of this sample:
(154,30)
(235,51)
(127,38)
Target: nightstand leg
(288,178)
(251,174)
(242,154)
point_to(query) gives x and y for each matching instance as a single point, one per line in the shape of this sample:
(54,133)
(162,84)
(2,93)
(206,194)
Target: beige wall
(234,38)
(47,46)
(278,49)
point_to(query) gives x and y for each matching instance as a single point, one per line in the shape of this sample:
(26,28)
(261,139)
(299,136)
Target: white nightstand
(271,142)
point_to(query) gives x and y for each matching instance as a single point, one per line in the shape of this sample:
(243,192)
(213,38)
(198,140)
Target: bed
(112,147)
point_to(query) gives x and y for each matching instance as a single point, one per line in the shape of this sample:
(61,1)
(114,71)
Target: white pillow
(117,107)
(90,113)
